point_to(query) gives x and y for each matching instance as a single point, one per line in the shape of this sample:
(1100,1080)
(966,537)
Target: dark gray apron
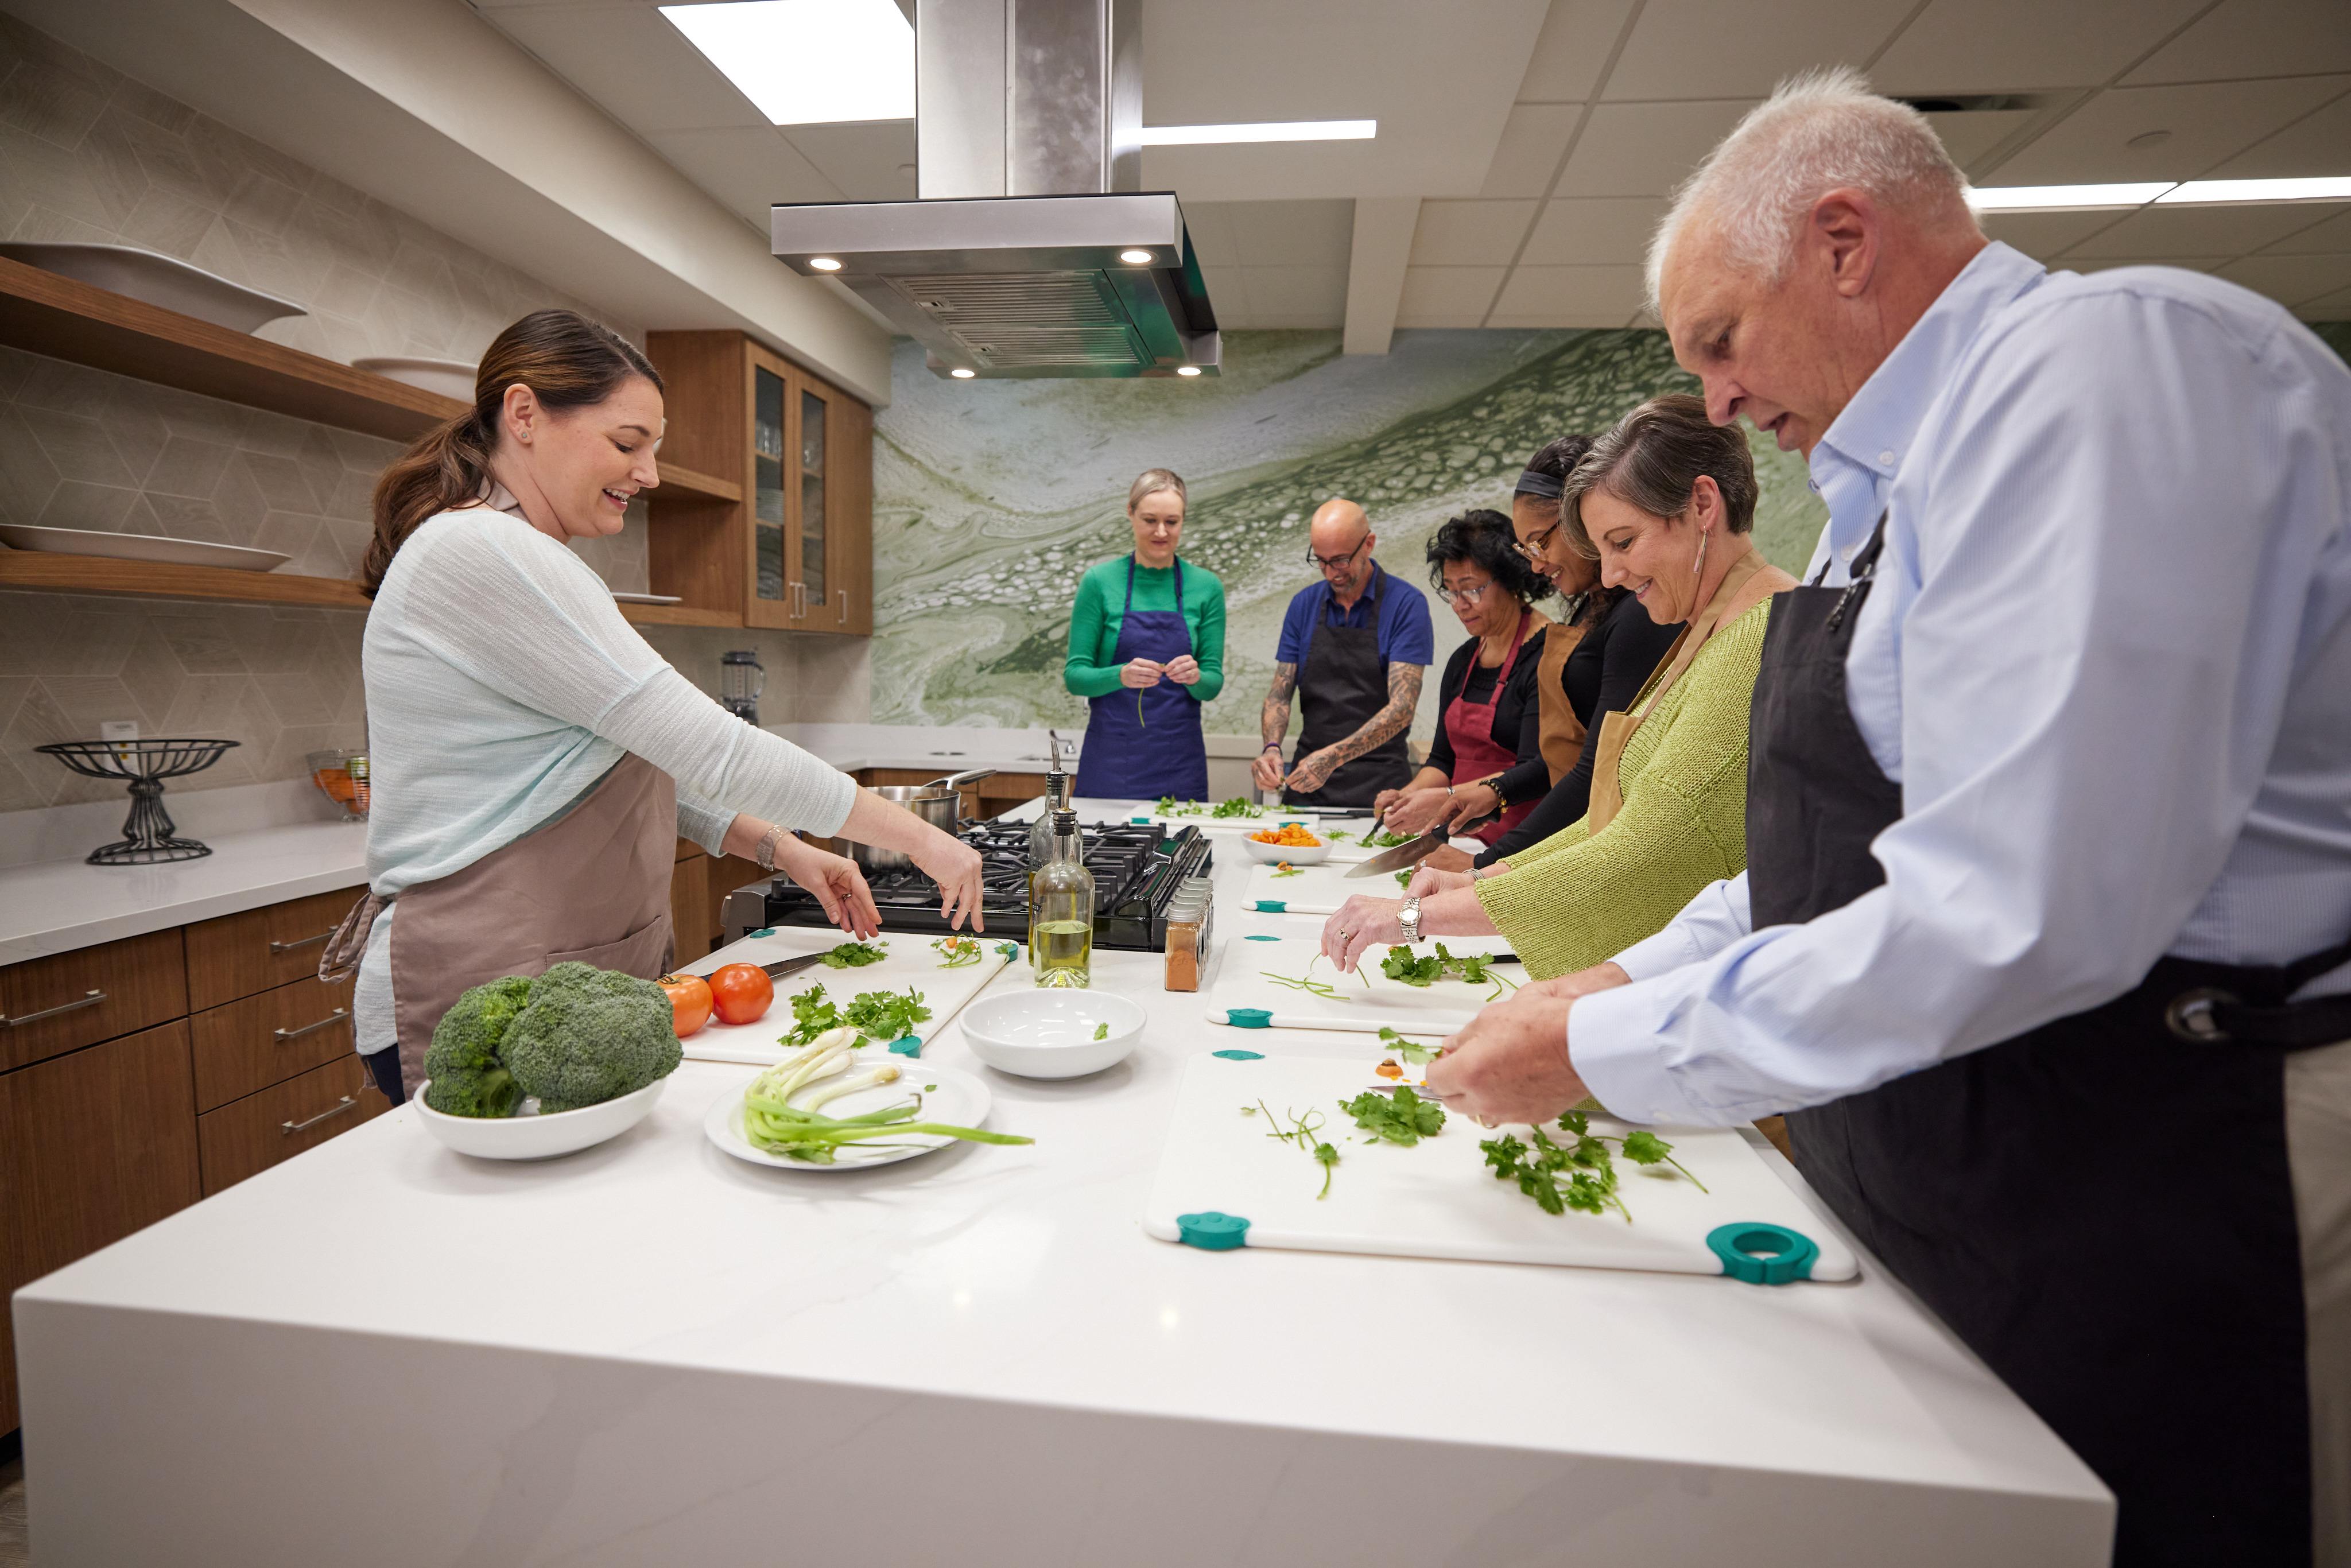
(2102,1209)
(1343,683)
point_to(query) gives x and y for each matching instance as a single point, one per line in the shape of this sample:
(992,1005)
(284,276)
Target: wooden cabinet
(797,552)
(689,930)
(262,1130)
(255,1042)
(238,955)
(100,1143)
(68,1001)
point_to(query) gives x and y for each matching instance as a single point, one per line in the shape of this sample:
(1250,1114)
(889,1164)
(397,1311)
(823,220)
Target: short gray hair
(1817,131)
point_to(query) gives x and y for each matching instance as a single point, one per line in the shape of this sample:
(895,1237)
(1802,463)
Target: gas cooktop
(1137,869)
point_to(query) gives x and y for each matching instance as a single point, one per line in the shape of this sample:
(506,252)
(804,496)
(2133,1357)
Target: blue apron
(1140,750)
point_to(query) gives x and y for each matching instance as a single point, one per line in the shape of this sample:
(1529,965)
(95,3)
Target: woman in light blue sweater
(534,758)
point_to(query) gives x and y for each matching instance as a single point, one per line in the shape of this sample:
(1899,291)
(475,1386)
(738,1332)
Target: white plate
(139,547)
(155,278)
(538,1137)
(647,598)
(445,378)
(959,1098)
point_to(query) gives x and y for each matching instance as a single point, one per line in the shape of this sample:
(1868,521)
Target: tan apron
(1562,731)
(1751,580)
(592,884)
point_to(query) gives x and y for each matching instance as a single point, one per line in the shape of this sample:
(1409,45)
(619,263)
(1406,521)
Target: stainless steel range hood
(1032,253)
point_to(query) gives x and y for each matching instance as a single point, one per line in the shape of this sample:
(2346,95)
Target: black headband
(1533,484)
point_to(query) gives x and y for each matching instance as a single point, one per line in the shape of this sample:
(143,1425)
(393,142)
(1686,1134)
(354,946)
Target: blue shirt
(1405,636)
(2108,660)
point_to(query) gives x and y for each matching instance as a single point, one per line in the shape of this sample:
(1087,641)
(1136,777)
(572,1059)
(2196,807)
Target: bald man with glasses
(1354,647)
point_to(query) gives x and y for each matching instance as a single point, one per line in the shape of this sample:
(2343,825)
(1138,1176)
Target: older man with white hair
(2045,941)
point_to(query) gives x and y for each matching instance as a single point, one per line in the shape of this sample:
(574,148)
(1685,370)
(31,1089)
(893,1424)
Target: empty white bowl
(538,1137)
(1273,854)
(1051,1033)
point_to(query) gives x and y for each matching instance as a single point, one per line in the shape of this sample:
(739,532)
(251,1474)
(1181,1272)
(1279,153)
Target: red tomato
(689,1000)
(741,993)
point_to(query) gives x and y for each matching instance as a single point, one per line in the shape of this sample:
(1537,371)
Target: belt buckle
(2190,1015)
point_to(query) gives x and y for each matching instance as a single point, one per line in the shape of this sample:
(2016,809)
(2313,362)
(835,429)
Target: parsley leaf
(1399,1116)
(856,955)
(1411,1050)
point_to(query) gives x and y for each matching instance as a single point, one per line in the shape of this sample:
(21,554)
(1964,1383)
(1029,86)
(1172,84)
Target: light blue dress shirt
(2108,660)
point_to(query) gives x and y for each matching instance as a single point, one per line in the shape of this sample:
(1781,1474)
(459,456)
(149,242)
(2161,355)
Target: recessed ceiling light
(824,264)
(1271,131)
(809,62)
(963,373)
(2060,198)
(1135,257)
(1188,370)
(2336,189)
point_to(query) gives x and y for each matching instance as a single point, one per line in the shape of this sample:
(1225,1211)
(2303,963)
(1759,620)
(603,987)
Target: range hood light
(1135,257)
(1188,370)
(824,264)
(963,373)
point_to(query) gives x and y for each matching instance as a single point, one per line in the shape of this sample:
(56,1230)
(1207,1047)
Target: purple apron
(1142,744)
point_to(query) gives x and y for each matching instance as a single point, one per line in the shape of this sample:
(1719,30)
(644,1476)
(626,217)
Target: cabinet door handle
(288,1129)
(89,1000)
(845,606)
(282,1035)
(277,947)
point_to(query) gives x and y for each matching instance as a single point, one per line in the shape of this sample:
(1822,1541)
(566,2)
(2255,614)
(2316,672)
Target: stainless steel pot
(936,802)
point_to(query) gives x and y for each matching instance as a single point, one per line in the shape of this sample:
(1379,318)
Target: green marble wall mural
(993,497)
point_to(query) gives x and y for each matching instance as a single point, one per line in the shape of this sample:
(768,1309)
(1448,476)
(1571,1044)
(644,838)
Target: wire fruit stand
(148,833)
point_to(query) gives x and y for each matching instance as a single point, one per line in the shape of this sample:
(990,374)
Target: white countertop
(673,1337)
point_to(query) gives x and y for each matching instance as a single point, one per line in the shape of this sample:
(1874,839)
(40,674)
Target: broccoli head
(468,1079)
(589,1035)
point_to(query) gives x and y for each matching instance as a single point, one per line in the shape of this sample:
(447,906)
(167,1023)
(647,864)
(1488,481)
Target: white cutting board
(1364,1000)
(1437,1198)
(1315,889)
(912,962)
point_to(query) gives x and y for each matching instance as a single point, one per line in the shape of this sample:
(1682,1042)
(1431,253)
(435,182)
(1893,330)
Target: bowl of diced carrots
(1291,842)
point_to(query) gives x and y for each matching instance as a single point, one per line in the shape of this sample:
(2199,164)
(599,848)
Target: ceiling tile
(1588,229)
(2334,307)
(750,171)
(1969,136)
(1684,48)
(1292,233)
(1532,140)
(1447,296)
(1613,293)
(1644,148)
(1295,297)
(2223,231)
(2015,46)
(1469,234)
(1210,226)
(2319,143)
(1564,65)
(2205,123)
(2326,236)
(2290,279)
(632,63)
(864,159)
(2254,38)
(2045,234)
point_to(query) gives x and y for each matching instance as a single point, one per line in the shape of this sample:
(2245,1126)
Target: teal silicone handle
(1763,1253)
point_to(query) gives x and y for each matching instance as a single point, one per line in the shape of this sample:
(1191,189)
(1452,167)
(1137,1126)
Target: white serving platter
(155,278)
(948,1095)
(1437,1198)
(139,547)
(445,378)
(647,598)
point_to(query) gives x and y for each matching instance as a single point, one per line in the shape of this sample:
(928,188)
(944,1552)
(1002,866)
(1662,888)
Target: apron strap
(2215,1013)
(1865,573)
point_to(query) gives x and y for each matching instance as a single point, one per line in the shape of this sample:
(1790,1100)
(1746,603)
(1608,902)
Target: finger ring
(1485,1121)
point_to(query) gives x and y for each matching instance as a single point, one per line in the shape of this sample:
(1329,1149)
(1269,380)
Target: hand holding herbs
(1580,1175)
(773,1124)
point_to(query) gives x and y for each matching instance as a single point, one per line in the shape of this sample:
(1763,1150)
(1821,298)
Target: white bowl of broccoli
(524,1068)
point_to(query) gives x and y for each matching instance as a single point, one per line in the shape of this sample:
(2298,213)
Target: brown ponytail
(567,360)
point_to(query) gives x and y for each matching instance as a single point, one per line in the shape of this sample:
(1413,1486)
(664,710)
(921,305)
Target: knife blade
(778,970)
(1389,861)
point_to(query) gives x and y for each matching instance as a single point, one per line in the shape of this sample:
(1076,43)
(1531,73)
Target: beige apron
(1750,582)
(592,884)
(1562,731)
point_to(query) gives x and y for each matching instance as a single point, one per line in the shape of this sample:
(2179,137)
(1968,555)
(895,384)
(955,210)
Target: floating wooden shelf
(676,615)
(99,574)
(684,485)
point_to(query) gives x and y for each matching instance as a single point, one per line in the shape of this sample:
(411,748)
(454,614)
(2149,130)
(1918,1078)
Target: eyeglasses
(1537,545)
(1336,562)
(1464,595)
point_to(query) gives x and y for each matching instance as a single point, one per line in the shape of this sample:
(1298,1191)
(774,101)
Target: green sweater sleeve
(1079,672)
(1205,590)
(1580,898)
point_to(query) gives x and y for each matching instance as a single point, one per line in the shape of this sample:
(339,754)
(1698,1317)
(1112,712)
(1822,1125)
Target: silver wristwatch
(1408,920)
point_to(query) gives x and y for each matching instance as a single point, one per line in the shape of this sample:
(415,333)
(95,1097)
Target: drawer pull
(288,1129)
(277,947)
(89,1000)
(282,1035)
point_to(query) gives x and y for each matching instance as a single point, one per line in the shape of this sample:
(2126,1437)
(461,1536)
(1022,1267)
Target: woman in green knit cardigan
(1665,502)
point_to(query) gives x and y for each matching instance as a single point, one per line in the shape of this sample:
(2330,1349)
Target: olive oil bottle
(1061,910)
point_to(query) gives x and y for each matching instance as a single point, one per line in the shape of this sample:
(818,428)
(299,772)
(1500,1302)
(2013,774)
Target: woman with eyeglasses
(1485,760)
(1666,502)
(1147,649)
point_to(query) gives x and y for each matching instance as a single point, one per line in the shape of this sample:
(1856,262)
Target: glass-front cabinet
(802,576)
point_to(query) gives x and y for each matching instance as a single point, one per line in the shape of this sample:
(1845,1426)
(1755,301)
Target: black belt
(2246,1005)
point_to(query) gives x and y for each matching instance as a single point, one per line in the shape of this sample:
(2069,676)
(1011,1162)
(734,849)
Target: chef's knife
(778,969)
(1388,861)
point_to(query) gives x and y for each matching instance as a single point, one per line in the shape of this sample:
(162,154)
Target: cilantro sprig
(876,1014)
(1300,1136)
(856,955)
(1410,1050)
(1580,1175)
(1398,1116)
(954,951)
(1475,969)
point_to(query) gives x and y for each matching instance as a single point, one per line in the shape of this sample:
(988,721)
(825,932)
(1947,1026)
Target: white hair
(1817,131)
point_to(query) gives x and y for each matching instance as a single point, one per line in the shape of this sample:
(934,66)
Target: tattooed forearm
(1392,720)
(1273,719)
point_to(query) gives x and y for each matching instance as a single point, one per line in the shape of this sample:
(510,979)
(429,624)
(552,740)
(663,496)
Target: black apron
(2100,1208)
(1342,682)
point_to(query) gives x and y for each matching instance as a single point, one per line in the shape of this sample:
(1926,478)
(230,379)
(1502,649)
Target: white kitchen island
(382,1353)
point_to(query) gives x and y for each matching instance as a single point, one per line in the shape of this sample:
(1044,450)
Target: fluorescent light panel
(809,62)
(1271,131)
(2193,192)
